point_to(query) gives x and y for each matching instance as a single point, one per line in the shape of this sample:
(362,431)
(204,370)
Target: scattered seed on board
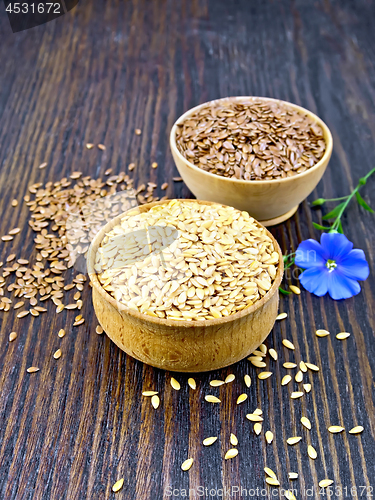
(209,441)
(149,393)
(233,440)
(264,375)
(254,417)
(303,367)
(154,165)
(299,376)
(118,485)
(177,179)
(287,343)
(57,354)
(247,380)
(241,398)
(289,365)
(192,384)
(295,289)
(99,330)
(187,464)
(155,401)
(138,131)
(164,186)
(281,316)
(289,495)
(212,399)
(175,384)
(324,483)
(233,452)
(257,428)
(263,348)
(60,308)
(286,379)
(14,203)
(312,367)
(293,475)
(102,147)
(322,333)
(339,336)
(61,333)
(270,472)
(273,354)
(258,352)
(12,336)
(296,395)
(7,238)
(258,364)
(42,165)
(258,411)
(22,314)
(334,429)
(32,369)
(293,440)
(306,422)
(272,481)
(229,378)
(269,437)
(307,387)
(89,145)
(356,430)
(216,383)
(18,305)
(14,231)
(312,452)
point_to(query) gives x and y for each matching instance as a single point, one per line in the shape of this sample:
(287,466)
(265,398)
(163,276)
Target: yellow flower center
(331,265)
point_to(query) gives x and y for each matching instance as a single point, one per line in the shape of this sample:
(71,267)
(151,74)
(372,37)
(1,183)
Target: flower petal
(315,280)
(342,287)
(336,245)
(310,254)
(354,265)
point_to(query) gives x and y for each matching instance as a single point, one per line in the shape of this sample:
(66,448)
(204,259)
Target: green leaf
(340,229)
(284,292)
(363,204)
(319,201)
(318,226)
(335,212)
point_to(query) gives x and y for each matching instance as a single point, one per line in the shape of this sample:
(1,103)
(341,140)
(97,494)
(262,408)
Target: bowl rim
(170,322)
(327,136)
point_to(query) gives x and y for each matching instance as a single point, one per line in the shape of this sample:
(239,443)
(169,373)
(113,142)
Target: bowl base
(280,218)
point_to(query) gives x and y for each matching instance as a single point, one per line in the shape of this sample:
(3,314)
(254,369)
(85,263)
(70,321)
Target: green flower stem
(362,182)
(336,199)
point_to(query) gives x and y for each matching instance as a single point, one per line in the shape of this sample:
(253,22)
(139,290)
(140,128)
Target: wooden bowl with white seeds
(185,285)
(257,154)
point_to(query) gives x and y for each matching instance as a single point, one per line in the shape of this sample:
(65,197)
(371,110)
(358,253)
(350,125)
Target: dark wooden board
(94,75)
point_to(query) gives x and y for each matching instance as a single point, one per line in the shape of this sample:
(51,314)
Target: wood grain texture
(94,75)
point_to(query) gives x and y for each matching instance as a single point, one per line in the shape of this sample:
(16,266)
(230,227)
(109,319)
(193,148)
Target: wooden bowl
(184,346)
(269,202)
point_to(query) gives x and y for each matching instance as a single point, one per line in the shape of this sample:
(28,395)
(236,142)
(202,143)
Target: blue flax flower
(331,266)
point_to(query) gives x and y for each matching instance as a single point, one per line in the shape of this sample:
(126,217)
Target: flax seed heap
(64,224)
(251,139)
(219,262)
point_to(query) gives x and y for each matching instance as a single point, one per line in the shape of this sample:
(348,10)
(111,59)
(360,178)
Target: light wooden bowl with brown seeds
(268,201)
(184,346)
